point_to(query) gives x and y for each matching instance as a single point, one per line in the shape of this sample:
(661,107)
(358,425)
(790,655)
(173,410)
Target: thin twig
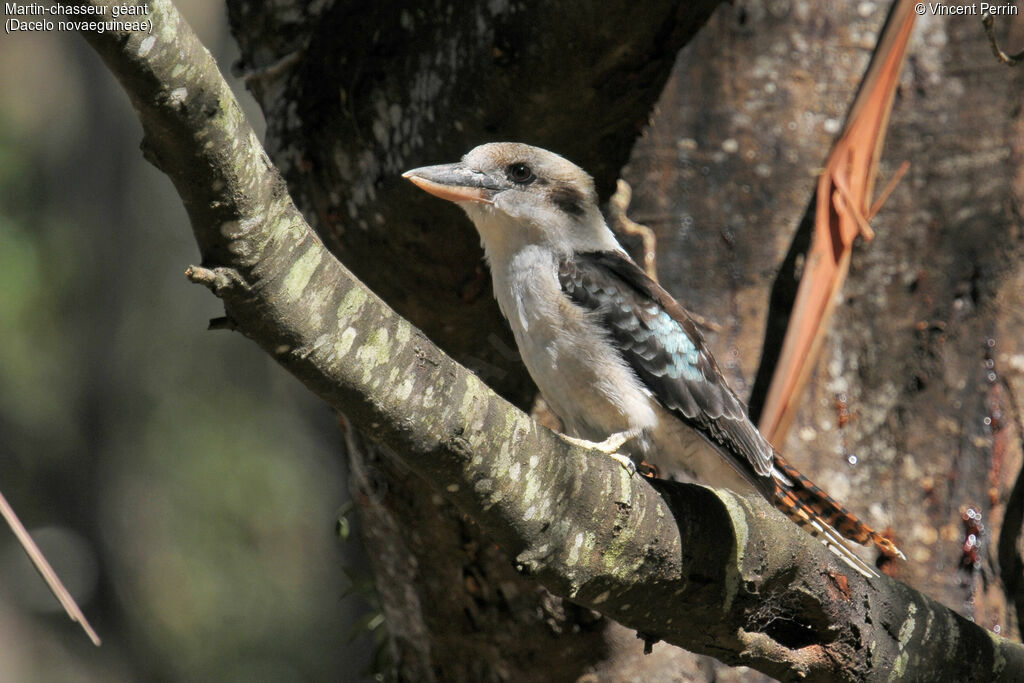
(1010,60)
(45,570)
(618,205)
(893,182)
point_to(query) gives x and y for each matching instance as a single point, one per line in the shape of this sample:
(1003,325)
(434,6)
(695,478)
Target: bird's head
(518,196)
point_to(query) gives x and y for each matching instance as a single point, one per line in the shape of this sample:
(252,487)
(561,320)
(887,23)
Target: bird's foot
(609,447)
(626,462)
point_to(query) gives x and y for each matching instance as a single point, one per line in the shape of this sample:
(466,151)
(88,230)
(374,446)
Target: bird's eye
(520,174)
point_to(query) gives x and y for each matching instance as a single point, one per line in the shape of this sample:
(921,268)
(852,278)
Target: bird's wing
(662,344)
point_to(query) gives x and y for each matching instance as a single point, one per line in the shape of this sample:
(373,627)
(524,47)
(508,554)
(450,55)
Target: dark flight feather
(660,342)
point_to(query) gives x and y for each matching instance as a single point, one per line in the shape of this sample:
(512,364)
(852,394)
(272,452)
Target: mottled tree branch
(709,571)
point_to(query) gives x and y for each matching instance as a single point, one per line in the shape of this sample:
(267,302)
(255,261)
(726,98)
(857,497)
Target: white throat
(503,236)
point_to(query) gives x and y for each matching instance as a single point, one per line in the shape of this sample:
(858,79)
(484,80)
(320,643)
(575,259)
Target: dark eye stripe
(567,198)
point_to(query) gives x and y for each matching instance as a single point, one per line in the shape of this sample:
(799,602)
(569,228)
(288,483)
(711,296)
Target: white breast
(568,355)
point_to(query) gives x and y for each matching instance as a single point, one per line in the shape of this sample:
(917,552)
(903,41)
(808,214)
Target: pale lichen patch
(589,545)
(403,332)
(472,406)
(168,34)
(574,551)
(375,352)
(532,489)
(344,344)
(146,46)
(237,229)
(241,248)
(614,556)
(625,485)
(739,525)
(315,303)
(496,497)
(404,390)
(301,272)
(899,666)
(323,344)
(353,302)
(929,620)
(907,629)
(427,400)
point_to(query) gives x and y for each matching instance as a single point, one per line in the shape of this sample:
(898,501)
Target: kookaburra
(613,354)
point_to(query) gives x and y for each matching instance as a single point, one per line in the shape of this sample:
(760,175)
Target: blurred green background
(184,486)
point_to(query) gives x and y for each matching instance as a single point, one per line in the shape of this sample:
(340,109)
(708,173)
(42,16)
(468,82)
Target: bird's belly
(586,385)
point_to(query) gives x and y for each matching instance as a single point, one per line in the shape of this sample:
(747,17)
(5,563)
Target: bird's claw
(626,462)
(609,447)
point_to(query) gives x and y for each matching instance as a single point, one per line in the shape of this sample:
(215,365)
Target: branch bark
(707,570)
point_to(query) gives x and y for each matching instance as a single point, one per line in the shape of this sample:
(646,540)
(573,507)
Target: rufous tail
(824,517)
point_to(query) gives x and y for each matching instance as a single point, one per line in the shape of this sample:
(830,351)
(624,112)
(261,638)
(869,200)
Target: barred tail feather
(824,517)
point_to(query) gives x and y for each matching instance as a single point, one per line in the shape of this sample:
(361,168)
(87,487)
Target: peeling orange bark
(843,208)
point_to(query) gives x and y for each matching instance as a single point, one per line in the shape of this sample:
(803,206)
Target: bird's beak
(454,182)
